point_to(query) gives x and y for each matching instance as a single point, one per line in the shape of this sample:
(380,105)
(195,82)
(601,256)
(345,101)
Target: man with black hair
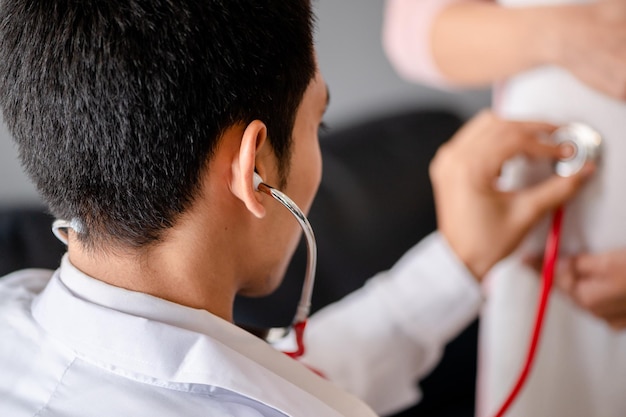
(143,122)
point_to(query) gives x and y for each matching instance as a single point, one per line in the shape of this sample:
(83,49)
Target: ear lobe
(243,182)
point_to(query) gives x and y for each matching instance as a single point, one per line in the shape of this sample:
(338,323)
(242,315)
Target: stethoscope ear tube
(302,313)
(304,306)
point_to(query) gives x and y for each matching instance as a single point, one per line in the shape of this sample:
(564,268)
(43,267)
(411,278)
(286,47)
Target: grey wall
(14,186)
(361,82)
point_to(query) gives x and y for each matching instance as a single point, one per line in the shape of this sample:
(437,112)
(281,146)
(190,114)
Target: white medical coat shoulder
(71,343)
(67,355)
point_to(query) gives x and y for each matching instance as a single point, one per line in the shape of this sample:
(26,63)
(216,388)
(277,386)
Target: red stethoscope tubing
(298,329)
(550,258)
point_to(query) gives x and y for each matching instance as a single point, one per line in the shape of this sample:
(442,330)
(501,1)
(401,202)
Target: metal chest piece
(586,143)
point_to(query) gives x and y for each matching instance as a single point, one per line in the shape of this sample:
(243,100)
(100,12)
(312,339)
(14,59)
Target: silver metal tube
(304,305)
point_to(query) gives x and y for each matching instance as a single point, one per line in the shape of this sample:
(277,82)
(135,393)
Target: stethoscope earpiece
(257,180)
(61,227)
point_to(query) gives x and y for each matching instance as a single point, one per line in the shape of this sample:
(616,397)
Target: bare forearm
(478,42)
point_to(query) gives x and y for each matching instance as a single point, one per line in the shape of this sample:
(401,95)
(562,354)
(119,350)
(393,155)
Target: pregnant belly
(596,219)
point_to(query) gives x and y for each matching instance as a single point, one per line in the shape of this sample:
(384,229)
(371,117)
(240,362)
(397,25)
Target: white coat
(71,345)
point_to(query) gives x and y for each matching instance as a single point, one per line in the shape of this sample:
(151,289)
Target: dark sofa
(374,202)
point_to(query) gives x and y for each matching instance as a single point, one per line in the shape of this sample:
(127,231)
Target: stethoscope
(60,228)
(585,144)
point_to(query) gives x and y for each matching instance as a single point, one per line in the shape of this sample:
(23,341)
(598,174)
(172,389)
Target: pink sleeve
(406,39)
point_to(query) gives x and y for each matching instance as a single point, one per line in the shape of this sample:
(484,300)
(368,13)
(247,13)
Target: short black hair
(117,105)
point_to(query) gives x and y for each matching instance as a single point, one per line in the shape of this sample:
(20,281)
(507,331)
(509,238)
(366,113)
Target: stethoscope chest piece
(585,142)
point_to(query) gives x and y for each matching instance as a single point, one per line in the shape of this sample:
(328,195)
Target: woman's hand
(597,282)
(589,40)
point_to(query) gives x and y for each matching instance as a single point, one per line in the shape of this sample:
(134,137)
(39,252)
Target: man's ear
(244,164)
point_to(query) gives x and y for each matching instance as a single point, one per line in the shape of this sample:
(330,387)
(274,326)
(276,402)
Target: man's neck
(178,270)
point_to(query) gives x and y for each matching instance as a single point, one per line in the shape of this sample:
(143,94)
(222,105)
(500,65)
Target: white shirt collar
(132,302)
(142,336)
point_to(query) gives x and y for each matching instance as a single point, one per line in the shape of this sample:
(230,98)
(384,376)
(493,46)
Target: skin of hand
(479,42)
(594,281)
(481,223)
